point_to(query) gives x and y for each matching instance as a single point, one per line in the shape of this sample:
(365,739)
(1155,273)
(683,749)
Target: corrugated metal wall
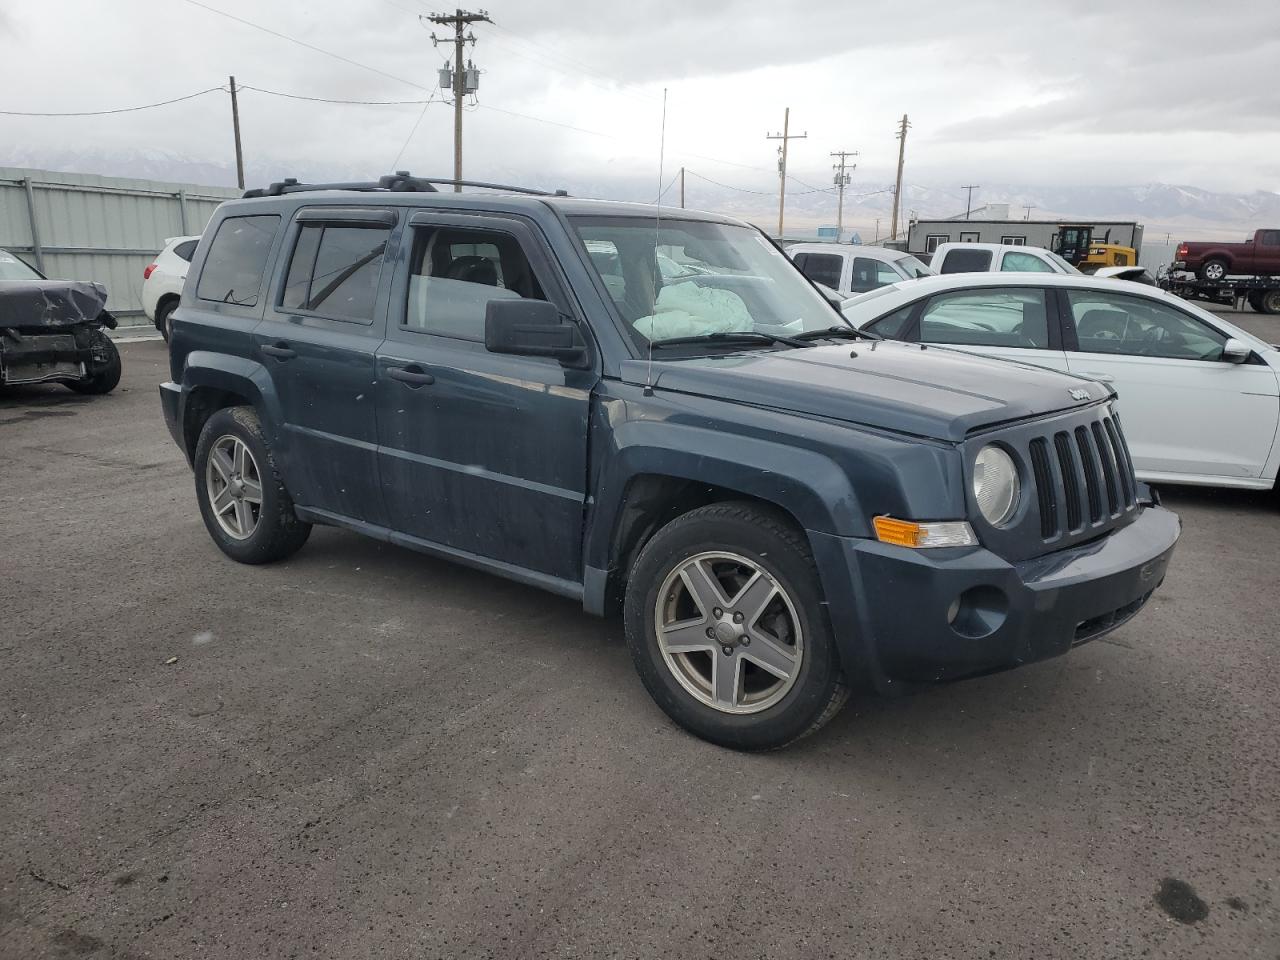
(107,229)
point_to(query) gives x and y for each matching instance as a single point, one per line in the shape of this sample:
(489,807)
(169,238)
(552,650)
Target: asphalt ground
(363,752)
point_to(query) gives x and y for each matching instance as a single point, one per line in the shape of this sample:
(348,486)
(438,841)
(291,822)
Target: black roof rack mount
(399,182)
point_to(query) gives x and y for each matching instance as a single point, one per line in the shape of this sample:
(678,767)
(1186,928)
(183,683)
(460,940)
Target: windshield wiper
(848,333)
(732,338)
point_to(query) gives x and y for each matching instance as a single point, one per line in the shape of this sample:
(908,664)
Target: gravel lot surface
(367,753)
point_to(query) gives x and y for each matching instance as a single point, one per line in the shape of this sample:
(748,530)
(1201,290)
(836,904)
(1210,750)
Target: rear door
(1012,323)
(1185,410)
(484,454)
(318,340)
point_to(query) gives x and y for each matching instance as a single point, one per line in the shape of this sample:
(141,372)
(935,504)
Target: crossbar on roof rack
(399,182)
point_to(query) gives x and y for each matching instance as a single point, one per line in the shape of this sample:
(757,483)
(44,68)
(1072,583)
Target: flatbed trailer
(1261,293)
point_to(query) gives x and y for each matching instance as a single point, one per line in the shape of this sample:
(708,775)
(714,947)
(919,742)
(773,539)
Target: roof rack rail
(399,182)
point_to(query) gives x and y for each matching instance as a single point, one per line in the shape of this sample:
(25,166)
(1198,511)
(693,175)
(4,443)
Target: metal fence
(85,227)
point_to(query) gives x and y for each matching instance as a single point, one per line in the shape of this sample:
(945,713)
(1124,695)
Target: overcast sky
(998,92)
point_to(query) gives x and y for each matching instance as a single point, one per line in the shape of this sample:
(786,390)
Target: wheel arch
(646,485)
(212,382)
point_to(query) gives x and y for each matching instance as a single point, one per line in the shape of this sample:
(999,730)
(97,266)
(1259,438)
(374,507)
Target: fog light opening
(978,612)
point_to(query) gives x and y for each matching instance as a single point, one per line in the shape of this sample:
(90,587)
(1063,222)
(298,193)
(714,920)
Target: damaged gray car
(51,331)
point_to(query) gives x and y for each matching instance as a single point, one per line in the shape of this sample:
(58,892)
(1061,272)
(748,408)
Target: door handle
(280,350)
(412,375)
(1104,377)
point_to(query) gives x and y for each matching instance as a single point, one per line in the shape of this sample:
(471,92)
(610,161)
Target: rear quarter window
(186,249)
(237,259)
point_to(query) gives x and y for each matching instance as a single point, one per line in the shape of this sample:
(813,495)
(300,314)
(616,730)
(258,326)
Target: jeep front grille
(1083,477)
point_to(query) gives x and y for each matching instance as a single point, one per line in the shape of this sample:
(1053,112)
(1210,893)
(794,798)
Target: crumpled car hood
(938,393)
(44,304)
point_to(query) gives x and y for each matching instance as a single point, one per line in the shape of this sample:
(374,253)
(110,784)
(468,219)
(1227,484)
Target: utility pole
(897,190)
(465,77)
(235,126)
(842,180)
(682,188)
(968,204)
(785,136)
(877,239)
(1028,216)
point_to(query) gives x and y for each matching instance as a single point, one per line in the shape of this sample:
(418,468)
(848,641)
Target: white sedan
(1199,397)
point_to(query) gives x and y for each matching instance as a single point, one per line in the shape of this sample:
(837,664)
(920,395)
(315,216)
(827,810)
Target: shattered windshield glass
(688,278)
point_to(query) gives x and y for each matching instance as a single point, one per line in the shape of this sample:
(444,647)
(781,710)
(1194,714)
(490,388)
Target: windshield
(912,268)
(11,268)
(1066,267)
(710,278)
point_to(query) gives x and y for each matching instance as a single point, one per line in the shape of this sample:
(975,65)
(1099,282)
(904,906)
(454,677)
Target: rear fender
(245,378)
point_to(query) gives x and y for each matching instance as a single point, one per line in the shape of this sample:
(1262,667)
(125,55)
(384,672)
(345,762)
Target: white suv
(162,281)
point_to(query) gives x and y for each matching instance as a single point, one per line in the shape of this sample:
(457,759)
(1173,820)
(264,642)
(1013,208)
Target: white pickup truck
(997,258)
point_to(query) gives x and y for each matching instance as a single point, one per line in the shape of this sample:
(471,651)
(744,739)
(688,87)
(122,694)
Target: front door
(1185,411)
(481,453)
(1012,323)
(318,340)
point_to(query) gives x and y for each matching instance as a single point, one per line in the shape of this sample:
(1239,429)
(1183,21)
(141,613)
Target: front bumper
(905,617)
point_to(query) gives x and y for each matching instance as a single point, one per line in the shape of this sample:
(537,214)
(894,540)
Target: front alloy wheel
(235,487)
(728,633)
(728,629)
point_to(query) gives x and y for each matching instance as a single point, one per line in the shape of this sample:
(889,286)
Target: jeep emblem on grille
(1079,393)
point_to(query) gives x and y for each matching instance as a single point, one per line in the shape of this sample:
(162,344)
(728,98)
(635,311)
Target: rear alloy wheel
(234,484)
(1213,270)
(728,631)
(244,503)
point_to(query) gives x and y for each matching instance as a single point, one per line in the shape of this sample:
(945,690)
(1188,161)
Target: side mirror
(1235,351)
(530,328)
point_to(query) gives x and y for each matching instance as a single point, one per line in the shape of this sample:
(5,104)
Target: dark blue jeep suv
(654,412)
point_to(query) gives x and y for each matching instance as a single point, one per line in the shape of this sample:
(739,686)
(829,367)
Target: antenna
(657,220)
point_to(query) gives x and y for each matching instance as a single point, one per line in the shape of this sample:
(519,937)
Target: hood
(923,391)
(35,304)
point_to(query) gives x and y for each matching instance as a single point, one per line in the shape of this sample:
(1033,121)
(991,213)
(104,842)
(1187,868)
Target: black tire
(1213,270)
(164,319)
(774,545)
(278,532)
(1269,302)
(104,375)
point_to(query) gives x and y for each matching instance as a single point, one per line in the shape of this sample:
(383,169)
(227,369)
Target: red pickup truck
(1259,256)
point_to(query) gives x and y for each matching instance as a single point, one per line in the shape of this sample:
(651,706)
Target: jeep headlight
(995,485)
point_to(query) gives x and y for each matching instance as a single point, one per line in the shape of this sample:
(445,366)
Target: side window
(237,259)
(969,236)
(1135,326)
(1018,262)
(870,274)
(455,272)
(992,317)
(966,261)
(932,241)
(334,271)
(186,249)
(1271,238)
(892,325)
(823,268)
(1014,241)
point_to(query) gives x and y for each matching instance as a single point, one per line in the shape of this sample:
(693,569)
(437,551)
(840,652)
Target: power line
(103,113)
(395,163)
(303,43)
(368,103)
(728,186)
